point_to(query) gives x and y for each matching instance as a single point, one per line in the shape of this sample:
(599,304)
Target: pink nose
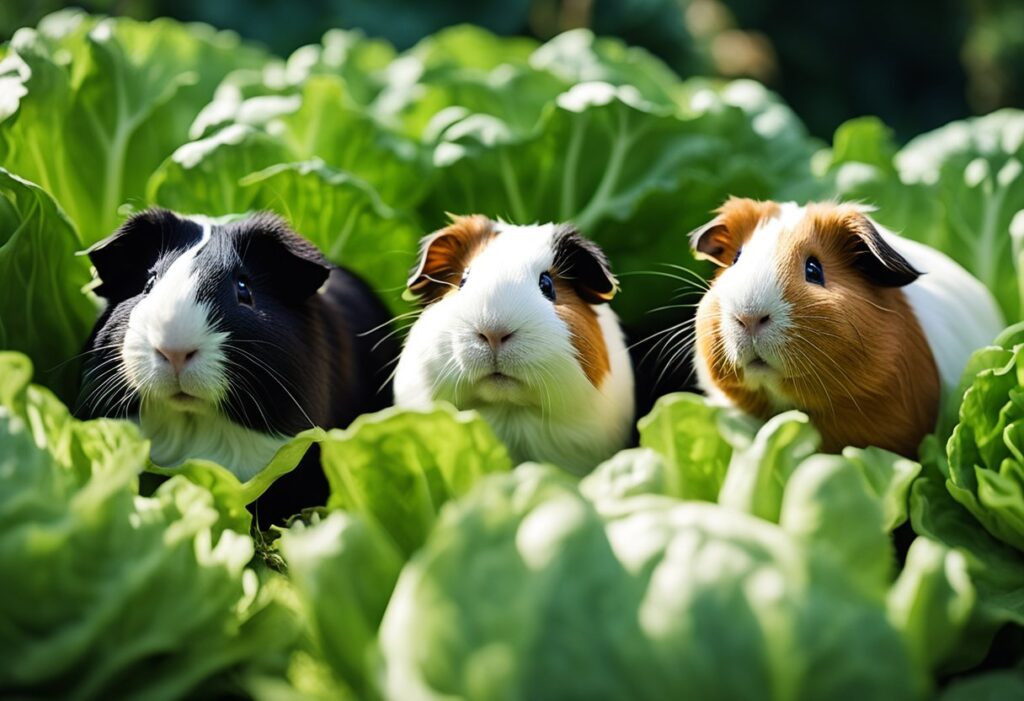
(495,337)
(754,323)
(177,358)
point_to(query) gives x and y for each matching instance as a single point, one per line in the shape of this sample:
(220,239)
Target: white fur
(170,317)
(957,313)
(553,413)
(751,288)
(202,432)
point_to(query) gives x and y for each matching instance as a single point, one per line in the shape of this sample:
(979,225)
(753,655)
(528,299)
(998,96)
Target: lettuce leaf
(92,129)
(526,590)
(43,312)
(344,570)
(986,450)
(959,188)
(398,467)
(108,593)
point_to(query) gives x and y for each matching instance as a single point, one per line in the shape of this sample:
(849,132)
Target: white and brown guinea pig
(819,308)
(516,325)
(223,341)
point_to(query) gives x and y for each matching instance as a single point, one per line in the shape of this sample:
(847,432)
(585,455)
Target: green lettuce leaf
(525,590)
(397,468)
(959,188)
(697,440)
(91,130)
(43,312)
(108,593)
(316,158)
(828,504)
(758,475)
(996,569)
(986,450)
(344,570)
(932,601)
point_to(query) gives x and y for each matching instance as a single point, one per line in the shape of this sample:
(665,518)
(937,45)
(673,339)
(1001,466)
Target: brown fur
(587,339)
(856,359)
(446,255)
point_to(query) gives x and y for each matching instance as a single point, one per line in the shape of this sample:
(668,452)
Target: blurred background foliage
(928,63)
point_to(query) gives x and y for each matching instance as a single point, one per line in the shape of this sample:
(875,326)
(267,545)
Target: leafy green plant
(718,559)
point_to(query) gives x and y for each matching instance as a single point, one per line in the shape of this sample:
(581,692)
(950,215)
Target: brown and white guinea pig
(223,341)
(821,309)
(516,325)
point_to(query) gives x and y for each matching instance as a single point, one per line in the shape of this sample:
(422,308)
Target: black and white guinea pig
(516,325)
(223,341)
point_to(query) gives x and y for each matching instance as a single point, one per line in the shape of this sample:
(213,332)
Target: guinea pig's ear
(123,259)
(445,255)
(874,257)
(296,267)
(583,264)
(713,241)
(721,238)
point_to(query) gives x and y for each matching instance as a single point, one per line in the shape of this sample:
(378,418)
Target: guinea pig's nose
(176,357)
(495,337)
(754,323)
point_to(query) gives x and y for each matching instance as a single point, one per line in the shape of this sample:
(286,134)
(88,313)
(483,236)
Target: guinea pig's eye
(547,285)
(243,292)
(462,281)
(737,256)
(813,272)
(150,281)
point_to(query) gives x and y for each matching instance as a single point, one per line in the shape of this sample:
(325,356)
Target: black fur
(584,264)
(877,260)
(296,358)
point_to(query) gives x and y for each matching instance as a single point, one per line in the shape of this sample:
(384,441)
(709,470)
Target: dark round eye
(243,292)
(547,285)
(813,272)
(737,257)
(465,275)
(150,281)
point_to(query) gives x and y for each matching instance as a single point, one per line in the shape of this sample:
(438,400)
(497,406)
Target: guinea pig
(821,309)
(223,341)
(516,325)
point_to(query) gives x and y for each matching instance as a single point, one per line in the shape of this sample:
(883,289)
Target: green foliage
(106,592)
(986,462)
(719,559)
(525,583)
(959,188)
(42,312)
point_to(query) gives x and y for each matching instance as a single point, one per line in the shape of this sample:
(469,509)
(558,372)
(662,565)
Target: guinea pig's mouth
(184,398)
(500,378)
(758,363)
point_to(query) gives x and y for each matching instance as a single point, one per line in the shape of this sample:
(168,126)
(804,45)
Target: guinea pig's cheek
(137,352)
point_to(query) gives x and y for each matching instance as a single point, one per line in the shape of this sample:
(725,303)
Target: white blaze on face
(751,290)
(170,318)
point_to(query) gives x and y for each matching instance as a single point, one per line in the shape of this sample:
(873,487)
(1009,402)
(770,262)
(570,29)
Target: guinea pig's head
(512,313)
(204,318)
(805,306)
